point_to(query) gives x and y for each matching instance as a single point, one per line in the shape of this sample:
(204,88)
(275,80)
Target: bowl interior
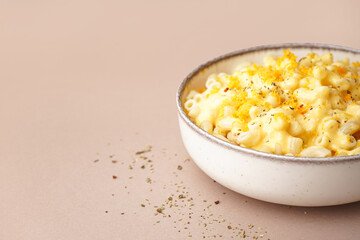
(228,63)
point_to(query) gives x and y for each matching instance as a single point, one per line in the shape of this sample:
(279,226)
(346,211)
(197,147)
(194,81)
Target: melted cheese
(286,103)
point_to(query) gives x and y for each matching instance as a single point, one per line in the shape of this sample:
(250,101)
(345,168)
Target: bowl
(289,180)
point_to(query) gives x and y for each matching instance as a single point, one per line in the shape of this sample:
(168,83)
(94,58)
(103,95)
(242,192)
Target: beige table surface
(87,84)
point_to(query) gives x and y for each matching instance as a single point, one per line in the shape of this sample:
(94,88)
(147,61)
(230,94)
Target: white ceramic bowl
(274,178)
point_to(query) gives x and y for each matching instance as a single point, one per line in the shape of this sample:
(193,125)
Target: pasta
(308,107)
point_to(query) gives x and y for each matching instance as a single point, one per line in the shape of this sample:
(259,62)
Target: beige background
(88,80)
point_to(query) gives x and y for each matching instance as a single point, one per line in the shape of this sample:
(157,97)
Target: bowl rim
(249,151)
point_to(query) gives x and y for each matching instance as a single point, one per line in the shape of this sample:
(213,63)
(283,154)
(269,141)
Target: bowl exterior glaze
(274,178)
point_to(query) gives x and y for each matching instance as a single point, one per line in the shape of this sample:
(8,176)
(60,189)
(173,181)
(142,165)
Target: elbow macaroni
(309,107)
